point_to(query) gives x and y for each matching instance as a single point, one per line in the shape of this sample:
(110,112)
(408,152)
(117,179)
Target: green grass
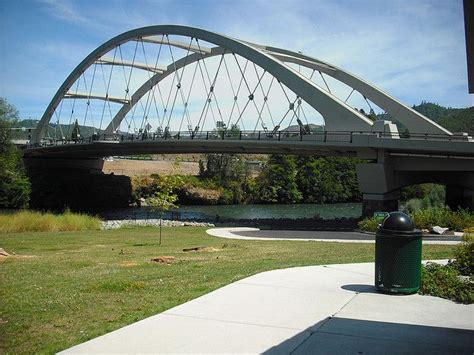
(31,221)
(61,289)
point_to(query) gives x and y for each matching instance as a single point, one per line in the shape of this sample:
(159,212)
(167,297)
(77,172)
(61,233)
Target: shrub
(468,234)
(442,216)
(464,259)
(425,219)
(29,221)
(369,224)
(443,281)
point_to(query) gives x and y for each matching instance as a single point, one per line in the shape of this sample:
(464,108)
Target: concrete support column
(378,187)
(379,203)
(459,197)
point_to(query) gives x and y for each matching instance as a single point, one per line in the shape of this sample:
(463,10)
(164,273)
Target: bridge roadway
(366,145)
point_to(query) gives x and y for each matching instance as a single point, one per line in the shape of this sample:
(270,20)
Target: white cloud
(65,10)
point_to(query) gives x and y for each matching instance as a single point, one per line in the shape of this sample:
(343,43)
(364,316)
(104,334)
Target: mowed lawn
(61,289)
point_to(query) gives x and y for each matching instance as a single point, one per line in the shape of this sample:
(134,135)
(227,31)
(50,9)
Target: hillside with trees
(453,119)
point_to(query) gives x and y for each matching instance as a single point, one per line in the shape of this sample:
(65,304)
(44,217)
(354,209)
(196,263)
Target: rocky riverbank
(114,224)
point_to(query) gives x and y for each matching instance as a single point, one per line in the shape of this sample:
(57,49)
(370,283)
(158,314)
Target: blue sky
(414,50)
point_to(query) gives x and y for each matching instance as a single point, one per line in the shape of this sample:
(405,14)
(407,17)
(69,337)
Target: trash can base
(397,291)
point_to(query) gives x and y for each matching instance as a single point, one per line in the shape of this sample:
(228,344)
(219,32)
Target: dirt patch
(4,255)
(144,167)
(129,264)
(165,259)
(204,249)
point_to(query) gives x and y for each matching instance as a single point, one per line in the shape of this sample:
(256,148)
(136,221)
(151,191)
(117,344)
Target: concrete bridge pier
(379,191)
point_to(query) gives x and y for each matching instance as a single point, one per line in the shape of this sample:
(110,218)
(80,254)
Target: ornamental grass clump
(369,224)
(31,221)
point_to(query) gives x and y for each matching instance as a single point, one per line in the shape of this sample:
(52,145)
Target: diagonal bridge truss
(169,78)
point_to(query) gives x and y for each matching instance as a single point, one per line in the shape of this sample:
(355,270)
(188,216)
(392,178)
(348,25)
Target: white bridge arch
(337,113)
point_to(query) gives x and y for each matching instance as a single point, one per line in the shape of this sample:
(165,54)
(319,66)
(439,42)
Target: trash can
(397,255)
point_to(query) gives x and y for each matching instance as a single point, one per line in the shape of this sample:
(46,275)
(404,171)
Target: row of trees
(285,178)
(289,179)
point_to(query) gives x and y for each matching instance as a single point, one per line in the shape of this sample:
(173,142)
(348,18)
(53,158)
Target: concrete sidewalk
(330,309)
(248,233)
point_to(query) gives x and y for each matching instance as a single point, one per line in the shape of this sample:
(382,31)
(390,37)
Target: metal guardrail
(324,137)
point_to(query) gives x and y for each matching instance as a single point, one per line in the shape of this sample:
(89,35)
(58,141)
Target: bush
(468,234)
(464,259)
(444,281)
(369,224)
(444,217)
(29,221)
(425,219)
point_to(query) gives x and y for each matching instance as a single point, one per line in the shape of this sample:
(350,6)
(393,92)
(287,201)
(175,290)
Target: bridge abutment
(78,184)
(380,182)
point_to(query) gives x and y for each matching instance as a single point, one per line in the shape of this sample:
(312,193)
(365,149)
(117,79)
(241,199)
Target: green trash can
(397,255)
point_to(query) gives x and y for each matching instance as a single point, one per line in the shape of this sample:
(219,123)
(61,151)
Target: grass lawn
(67,287)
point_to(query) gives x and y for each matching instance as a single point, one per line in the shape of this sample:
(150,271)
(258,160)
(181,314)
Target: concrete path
(247,233)
(330,309)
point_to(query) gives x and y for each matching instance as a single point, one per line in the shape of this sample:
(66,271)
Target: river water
(213,213)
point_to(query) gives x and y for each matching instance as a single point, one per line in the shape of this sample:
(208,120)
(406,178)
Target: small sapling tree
(165,198)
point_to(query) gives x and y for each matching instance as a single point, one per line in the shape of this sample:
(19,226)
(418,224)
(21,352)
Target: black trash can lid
(398,221)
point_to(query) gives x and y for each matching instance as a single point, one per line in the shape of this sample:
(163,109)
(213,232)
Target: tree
(317,181)
(14,185)
(277,183)
(8,112)
(223,168)
(165,197)
(328,179)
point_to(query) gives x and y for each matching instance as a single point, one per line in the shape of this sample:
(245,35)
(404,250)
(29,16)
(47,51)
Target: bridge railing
(323,137)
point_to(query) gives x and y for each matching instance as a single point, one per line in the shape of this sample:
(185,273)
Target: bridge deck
(360,144)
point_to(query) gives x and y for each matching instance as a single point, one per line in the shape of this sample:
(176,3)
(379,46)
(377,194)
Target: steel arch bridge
(166,78)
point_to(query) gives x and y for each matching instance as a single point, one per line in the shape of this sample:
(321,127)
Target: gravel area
(114,224)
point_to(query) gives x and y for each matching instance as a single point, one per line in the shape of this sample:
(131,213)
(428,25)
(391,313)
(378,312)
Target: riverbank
(114,224)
